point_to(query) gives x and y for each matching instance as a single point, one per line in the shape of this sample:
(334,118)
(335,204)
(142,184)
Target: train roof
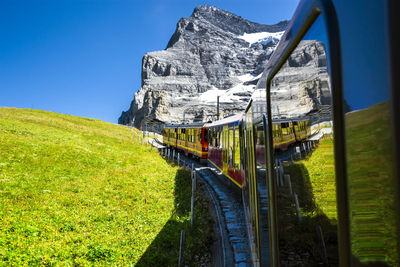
(290,119)
(224,121)
(189,125)
(283,120)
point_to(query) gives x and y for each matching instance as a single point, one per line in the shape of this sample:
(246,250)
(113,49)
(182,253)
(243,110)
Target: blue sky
(84,57)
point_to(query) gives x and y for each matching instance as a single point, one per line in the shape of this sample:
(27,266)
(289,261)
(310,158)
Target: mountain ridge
(207,51)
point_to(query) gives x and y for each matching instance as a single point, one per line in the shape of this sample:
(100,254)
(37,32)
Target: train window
(275,130)
(372,184)
(218,138)
(260,136)
(237,149)
(231,147)
(211,135)
(215,137)
(219,135)
(304,157)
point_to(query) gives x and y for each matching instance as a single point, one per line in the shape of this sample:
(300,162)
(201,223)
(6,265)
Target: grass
(371,189)
(78,191)
(313,180)
(371,185)
(320,168)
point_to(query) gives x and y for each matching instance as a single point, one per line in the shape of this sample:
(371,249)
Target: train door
(230,147)
(186,137)
(252,201)
(237,149)
(225,152)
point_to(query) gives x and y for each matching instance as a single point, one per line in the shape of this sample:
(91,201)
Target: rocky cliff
(212,53)
(302,85)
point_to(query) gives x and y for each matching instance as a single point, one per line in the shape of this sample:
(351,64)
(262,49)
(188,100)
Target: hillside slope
(81,191)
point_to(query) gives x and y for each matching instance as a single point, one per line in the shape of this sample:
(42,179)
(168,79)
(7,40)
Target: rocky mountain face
(302,85)
(212,53)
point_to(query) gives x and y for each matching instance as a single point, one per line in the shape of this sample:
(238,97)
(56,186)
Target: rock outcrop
(212,53)
(302,85)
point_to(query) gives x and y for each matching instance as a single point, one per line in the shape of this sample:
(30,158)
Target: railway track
(234,248)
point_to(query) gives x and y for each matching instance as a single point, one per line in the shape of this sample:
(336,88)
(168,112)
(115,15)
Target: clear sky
(83,57)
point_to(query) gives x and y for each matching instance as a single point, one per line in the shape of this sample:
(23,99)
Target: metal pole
(289,183)
(181,248)
(281,174)
(217,107)
(296,201)
(192,202)
(322,245)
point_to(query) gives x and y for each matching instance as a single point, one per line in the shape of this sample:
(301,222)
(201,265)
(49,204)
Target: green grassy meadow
(320,168)
(313,180)
(78,191)
(371,185)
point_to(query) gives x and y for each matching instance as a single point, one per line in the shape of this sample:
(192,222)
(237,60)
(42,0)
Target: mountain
(301,86)
(211,53)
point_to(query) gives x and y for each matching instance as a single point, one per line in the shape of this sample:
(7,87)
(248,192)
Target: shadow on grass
(298,241)
(164,250)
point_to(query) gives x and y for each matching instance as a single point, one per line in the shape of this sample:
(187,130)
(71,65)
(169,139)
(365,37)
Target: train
(219,141)
(338,61)
(225,144)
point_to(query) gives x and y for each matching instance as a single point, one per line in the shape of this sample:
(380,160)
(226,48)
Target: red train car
(224,147)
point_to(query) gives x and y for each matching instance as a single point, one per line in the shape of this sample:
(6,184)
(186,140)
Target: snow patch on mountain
(233,94)
(263,38)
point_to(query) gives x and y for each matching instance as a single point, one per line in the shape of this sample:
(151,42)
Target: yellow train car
(302,129)
(192,139)
(169,134)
